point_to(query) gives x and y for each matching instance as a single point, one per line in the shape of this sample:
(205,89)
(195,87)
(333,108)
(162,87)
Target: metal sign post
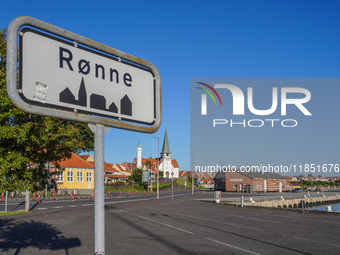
(99,207)
(67,76)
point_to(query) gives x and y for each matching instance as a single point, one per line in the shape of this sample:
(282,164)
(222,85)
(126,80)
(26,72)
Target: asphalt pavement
(186,224)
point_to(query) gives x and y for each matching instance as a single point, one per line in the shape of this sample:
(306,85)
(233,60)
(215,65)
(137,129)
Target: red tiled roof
(174,163)
(181,173)
(76,162)
(144,160)
(123,167)
(207,181)
(154,161)
(127,167)
(116,176)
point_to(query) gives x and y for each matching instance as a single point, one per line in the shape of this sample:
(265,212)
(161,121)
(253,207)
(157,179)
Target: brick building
(251,182)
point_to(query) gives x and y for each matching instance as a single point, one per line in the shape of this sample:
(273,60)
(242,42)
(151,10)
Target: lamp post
(172,185)
(157,167)
(192,173)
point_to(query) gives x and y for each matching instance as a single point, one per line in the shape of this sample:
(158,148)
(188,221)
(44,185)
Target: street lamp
(172,185)
(157,167)
(192,173)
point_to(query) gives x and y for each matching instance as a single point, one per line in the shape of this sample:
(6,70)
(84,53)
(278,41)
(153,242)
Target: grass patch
(11,213)
(140,188)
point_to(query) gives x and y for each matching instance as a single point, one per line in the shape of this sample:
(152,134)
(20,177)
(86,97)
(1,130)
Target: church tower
(167,167)
(139,156)
(166,154)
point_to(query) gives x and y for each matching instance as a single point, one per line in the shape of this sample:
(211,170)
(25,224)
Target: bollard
(2,196)
(120,193)
(39,198)
(217,196)
(53,194)
(33,195)
(242,201)
(129,193)
(92,194)
(136,193)
(144,192)
(152,192)
(109,194)
(71,196)
(75,194)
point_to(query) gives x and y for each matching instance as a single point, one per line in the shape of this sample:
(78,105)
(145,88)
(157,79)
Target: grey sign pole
(99,207)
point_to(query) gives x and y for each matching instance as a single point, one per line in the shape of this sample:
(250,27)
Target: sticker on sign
(65,75)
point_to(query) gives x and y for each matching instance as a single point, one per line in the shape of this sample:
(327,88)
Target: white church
(167,165)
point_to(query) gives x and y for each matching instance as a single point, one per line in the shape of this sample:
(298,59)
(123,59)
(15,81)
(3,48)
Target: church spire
(166,147)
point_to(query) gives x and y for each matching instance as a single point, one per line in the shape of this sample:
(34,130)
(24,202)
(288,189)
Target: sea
(335,207)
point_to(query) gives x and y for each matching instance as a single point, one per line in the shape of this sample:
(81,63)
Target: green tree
(28,140)
(137,175)
(148,164)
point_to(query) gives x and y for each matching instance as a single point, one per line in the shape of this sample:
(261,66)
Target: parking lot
(188,224)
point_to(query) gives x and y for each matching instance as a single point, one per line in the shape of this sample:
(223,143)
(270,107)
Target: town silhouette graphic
(96,101)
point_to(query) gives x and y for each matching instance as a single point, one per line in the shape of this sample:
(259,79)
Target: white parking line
(41,208)
(164,224)
(281,216)
(232,246)
(310,240)
(220,222)
(273,221)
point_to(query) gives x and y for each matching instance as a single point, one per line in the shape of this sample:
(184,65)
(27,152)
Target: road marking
(59,207)
(86,204)
(232,246)
(164,224)
(310,240)
(41,208)
(281,216)
(274,221)
(231,224)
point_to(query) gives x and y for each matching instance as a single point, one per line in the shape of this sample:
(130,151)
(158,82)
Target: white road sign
(67,72)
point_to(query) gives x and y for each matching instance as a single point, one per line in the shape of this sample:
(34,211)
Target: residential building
(76,174)
(251,181)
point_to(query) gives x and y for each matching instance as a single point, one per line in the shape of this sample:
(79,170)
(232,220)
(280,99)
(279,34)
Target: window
(70,176)
(60,177)
(79,176)
(258,186)
(89,177)
(235,186)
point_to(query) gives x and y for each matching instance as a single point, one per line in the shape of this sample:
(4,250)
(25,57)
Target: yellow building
(123,168)
(77,174)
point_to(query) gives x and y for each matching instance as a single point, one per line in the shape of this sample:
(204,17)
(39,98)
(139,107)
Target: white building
(166,164)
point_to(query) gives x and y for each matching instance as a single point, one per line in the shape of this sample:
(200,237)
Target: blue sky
(193,39)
